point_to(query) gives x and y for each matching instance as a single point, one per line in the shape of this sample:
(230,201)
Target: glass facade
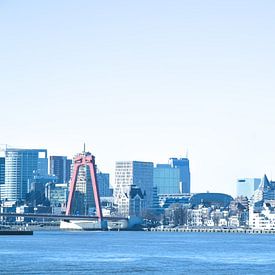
(129,173)
(103,181)
(42,167)
(167,179)
(60,167)
(20,168)
(183,165)
(143,178)
(247,186)
(57,194)
(2,175)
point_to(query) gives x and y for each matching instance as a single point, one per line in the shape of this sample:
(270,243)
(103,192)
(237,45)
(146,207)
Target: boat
(16,232)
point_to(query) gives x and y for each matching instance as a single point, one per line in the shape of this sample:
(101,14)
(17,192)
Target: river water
(137,253)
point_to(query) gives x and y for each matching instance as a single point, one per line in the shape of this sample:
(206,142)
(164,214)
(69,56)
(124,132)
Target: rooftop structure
(209,199)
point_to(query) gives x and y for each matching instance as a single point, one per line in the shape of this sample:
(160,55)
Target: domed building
(209,199)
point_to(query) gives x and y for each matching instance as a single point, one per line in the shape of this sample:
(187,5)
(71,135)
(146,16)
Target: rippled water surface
(137,252)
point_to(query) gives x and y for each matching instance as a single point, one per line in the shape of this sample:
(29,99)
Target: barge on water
(16,232)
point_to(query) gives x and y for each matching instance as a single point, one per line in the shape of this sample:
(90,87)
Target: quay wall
(214,230)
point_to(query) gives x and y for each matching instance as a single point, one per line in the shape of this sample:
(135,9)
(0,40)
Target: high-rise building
(2,174)
(183,165)
(60,166)
(137,173)
(42,165)
(167,179)
(103,181)
(2,170)
(20,167)
(247,186)
(68,170)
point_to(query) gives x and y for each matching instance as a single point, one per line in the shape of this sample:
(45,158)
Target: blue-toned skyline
(143,80)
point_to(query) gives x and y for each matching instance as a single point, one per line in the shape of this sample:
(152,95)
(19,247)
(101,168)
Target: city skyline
(112,173)
(143,81)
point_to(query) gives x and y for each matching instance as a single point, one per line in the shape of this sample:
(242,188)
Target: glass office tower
(58,167)
(183,165)
(247,186)
(137,173)
(167,179)
(20,167)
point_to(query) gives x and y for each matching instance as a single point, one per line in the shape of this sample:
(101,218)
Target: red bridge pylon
(85,159)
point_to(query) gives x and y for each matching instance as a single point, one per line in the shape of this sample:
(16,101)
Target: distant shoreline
(164,229)
(214,230)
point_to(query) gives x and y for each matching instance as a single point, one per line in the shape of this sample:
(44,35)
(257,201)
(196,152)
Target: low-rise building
(263,218)
(131,203)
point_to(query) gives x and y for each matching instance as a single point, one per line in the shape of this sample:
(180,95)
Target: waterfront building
(133,173)
(8,207)
(175,215)
(238,209)
(60,166)
(234,221)
(218,216)
(265,218)
(167,179)
(183,165)
(265,191)
(261,207)
(131,203)
(20,167)
(195,217)
(244,201)
(137,201)
(247,186)
(24,209)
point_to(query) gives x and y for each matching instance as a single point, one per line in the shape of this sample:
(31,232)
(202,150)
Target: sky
(143,80)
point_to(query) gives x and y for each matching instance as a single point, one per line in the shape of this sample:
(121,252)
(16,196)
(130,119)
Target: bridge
(60,217)
(84,159)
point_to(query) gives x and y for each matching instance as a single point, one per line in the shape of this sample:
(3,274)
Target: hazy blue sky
(143,80)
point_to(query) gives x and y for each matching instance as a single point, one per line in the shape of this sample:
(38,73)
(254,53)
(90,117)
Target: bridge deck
(59,217)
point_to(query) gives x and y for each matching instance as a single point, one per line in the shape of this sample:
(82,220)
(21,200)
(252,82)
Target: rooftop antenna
(187,153)
(84,148)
